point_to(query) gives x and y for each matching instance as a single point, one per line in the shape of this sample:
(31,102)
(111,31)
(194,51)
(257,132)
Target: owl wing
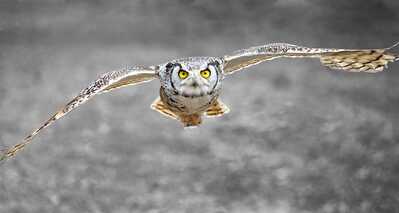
(351,60)
(105,83)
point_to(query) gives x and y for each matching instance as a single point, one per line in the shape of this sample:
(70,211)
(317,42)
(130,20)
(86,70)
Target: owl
(190,87)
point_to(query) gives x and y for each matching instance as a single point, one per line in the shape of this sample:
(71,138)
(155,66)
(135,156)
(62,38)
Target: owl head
(192,77)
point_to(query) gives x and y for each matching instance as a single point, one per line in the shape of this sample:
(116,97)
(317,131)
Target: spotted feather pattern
(359,61)
(354,60)
(107,82)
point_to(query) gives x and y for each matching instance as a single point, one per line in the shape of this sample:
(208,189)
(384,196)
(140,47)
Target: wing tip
(4,155)
(393,46)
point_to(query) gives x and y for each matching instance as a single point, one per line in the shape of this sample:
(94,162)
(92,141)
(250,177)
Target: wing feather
(353,60)
(105,83)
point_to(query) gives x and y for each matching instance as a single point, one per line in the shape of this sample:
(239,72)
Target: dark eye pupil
(183,74)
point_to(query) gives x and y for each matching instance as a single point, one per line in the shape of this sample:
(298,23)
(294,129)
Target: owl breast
(188,105)
(196,104)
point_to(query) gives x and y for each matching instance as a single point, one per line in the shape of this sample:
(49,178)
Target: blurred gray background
(299,137)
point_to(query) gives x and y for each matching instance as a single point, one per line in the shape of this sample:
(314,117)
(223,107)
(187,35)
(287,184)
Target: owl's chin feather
(192,95)
(193,91)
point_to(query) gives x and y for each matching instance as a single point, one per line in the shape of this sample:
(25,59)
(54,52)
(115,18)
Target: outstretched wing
(107,82)
(352,60)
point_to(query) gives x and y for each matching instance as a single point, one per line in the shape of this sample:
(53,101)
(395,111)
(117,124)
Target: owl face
(192,77)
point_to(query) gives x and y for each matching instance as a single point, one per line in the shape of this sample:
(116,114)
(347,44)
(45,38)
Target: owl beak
(194,83)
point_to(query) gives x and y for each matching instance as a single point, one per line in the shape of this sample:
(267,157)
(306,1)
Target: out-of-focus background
(299,137)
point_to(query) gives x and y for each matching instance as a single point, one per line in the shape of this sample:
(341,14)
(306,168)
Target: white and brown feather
(353,60)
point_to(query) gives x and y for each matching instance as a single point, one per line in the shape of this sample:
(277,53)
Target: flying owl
(190,87)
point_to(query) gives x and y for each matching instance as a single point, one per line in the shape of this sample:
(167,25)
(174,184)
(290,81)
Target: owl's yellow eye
(205,74)
(183,74)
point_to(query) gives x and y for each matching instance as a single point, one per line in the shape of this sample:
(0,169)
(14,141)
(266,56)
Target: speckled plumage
(188,99)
